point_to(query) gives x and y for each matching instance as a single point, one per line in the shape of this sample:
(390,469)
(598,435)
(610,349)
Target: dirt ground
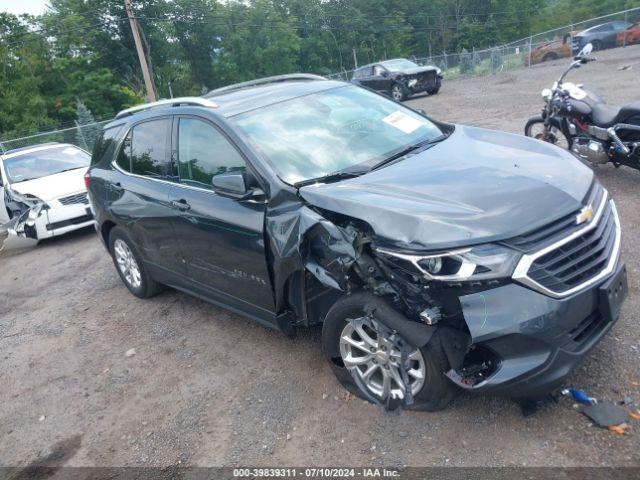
(206,387)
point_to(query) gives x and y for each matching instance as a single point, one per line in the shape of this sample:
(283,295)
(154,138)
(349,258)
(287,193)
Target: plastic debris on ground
(604,414)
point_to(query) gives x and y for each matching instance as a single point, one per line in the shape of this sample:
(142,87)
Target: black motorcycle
(578,120)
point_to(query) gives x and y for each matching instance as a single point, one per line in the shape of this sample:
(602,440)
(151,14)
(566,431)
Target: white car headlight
(482,262)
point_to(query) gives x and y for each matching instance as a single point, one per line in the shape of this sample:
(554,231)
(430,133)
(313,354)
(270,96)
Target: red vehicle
(629,36)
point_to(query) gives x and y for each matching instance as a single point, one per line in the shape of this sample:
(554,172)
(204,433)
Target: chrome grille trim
(521,271)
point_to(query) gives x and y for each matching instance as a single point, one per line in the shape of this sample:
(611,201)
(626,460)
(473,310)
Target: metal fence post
(624,37)
(530,48)
(84,140)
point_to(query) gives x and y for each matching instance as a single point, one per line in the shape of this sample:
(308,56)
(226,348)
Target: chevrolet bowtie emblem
(585,215)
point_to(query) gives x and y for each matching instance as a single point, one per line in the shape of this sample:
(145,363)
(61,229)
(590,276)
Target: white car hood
(53,186)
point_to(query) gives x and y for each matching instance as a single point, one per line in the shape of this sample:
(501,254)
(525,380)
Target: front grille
(579,260)
(570,256)
(78,198)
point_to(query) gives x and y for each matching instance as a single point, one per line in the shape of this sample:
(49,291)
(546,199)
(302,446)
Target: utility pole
(146,74)
(355,57)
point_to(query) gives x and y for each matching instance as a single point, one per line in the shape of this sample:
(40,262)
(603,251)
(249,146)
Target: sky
(34,7)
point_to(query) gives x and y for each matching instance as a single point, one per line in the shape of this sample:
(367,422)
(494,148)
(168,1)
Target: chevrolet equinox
(437,257)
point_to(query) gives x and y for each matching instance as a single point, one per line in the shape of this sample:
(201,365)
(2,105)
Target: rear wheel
(129,265)
(535,129)
(597,45)
(353,339)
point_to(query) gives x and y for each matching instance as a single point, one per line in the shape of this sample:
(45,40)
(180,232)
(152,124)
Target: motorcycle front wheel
(535,129)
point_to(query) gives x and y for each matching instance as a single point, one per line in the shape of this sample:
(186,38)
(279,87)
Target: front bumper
(63,219)
(538,340)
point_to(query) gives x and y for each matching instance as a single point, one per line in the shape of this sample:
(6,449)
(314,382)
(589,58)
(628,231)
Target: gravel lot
(206,387)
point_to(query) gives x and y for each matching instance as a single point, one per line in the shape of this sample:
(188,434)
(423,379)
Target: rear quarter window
(105,146)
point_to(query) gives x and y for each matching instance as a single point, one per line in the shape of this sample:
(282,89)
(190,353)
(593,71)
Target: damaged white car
(42,192)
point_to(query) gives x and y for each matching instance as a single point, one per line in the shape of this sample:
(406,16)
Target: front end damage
(499,337)
(26,219)
(426,81)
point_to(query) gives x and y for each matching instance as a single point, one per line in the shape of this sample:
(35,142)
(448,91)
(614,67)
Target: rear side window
(105,145)
(124,155)
(149,148)
(204,152)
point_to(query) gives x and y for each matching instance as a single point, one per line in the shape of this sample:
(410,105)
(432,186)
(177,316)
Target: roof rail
(263,81)
(167,102)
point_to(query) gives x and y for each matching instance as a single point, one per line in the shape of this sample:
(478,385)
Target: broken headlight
(482,262)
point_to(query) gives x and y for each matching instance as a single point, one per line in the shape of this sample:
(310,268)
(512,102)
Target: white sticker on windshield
(402,122)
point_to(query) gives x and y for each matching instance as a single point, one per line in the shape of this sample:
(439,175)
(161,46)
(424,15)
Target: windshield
(30,166)
(397,65)
(331,131)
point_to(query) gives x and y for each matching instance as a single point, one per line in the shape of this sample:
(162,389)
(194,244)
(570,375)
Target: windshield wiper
(411,148)
(331,177)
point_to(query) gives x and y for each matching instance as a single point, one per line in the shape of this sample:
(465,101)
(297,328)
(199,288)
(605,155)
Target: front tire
(398,92)
(129,265)
(348,339)
(534,128)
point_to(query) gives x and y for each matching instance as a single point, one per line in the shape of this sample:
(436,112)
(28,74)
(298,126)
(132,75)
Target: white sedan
(42,191)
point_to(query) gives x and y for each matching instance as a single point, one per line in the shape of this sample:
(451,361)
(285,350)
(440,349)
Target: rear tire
(597,45)
(434,91)
(436,392)
(129,265)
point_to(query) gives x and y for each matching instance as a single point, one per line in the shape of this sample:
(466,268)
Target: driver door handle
(181,205)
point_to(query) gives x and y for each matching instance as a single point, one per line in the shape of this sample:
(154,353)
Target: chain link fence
(542,47)
(83,136)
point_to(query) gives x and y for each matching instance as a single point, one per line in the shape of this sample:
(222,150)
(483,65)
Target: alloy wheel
(374,354)
(127,263)
(396,93)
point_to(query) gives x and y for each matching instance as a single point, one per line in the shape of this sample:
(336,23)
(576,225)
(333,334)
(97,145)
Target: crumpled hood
(53,186)
(476,186)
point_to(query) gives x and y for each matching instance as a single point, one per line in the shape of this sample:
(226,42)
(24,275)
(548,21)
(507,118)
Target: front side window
(42,163)
(204,152)
(333,130)
(149,148)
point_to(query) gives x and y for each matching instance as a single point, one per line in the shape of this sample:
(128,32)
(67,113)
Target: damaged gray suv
(437,257)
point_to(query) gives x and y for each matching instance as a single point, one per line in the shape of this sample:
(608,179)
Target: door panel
(221,238)
(140,196)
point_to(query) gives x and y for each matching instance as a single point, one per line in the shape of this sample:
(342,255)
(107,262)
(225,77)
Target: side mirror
(229,184)
(233,185)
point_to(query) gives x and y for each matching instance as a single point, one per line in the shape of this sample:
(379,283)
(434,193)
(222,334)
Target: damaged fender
(22,229)
(300,238)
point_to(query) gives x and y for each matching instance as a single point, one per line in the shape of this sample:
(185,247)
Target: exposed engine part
(431,315)
(591,150)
